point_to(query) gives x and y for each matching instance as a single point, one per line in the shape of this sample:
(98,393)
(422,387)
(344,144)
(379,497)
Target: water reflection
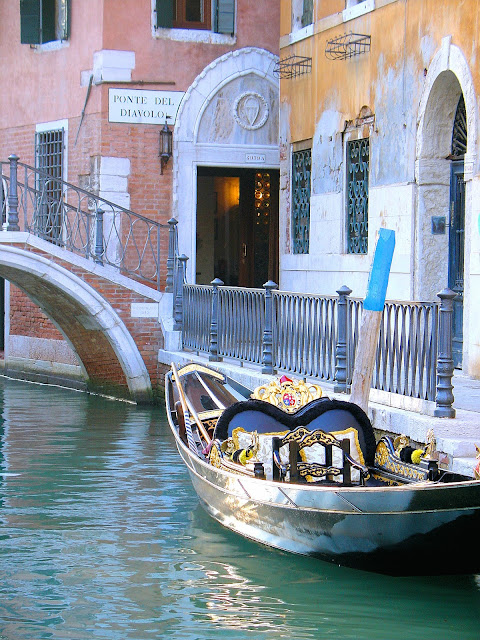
(264,590)
(102,537)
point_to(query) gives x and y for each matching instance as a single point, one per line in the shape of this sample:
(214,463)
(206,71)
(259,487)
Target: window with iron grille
(358,166)
(197,14)
(49,158)
(44,21)
(301,171)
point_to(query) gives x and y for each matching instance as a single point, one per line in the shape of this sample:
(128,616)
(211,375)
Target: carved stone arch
(448,77)
(449,69)
(213,128)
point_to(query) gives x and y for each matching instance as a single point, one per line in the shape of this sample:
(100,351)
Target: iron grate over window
(459,136)
(301,180)
(49,157)
(358,165)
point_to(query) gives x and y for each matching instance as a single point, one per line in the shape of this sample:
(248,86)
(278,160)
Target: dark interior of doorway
(237,226)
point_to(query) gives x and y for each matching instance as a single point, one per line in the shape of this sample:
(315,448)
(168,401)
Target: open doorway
(237,226)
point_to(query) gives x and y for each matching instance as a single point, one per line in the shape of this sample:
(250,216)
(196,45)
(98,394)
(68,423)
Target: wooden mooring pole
(372,318)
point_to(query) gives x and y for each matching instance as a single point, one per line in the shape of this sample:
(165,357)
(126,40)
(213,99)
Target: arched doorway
(445,174)
(225,145)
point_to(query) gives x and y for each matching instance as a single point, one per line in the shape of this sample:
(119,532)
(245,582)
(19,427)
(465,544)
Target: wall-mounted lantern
(166,144)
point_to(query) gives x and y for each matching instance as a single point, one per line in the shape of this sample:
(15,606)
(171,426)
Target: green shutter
(30,21)
(164,13)
(48,21)
(225,16)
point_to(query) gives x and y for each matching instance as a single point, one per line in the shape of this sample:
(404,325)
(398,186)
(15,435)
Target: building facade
(379,128)
(90,87)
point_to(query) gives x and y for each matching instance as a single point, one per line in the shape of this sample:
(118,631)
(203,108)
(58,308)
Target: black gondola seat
(330,415)
(279,408)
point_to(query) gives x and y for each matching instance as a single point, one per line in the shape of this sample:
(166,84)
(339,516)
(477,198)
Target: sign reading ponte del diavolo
(139,106)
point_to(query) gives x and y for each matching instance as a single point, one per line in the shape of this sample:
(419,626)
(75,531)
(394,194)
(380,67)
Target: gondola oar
(371,318)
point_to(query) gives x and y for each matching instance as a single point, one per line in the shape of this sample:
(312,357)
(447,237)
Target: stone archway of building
(87,321)
(227,119)
(448,78)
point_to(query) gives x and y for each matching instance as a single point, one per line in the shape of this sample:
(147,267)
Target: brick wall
(27,319)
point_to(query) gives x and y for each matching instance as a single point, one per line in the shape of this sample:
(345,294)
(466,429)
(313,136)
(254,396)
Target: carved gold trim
(215,458)
(288,395)
(211,414)
(386,459)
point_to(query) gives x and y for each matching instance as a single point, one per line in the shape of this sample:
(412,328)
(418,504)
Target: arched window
(459,135)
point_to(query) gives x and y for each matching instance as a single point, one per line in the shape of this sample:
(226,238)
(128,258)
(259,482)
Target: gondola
(287,467)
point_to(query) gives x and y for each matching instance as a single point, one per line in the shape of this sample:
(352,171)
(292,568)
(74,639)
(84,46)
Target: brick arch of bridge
(110,357)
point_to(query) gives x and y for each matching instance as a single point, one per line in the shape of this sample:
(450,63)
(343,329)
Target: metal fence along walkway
(316,336)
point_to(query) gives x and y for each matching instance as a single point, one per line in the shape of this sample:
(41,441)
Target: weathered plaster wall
(423,56)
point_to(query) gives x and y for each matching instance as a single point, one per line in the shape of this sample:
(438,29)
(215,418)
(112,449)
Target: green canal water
(102,537)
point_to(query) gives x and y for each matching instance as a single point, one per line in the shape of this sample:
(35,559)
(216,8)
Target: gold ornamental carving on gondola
(215,458)
(286,394)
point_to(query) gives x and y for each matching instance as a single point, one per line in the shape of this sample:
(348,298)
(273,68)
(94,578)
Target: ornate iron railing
(197,316)
(314,335)
(241,323)
(81,222)
(305,334)
(406,356)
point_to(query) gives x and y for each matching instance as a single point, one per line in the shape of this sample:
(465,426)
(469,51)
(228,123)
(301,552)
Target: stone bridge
(110,321)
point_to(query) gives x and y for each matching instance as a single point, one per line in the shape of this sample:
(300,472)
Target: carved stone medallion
(250,110)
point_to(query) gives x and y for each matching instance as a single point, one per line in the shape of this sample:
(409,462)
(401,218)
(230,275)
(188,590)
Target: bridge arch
(109,356)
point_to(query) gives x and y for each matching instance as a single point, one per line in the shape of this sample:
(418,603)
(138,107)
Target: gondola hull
(418,528)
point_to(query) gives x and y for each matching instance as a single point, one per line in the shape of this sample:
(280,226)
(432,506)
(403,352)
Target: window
(44,21)
(307,14)
(301,172)
(197,14)
(192,14)
(302,14)
(358,166)
(49,158)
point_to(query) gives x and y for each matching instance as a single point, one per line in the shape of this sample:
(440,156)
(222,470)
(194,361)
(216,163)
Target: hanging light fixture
(166,143)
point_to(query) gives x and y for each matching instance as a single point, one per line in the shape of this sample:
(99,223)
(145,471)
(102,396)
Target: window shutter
(64,20)
(48,21)
(225,16)
(164,13)
(30,21)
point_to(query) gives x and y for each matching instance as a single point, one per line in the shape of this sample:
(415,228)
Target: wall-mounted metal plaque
(439,224)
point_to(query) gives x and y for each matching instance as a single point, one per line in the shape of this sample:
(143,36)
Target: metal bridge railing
(82,222)
(316,336)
